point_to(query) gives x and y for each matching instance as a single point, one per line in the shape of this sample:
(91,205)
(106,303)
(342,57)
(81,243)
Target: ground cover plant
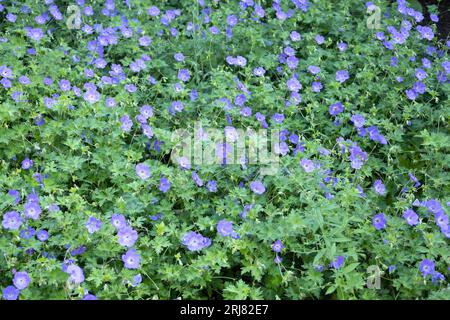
(93,204)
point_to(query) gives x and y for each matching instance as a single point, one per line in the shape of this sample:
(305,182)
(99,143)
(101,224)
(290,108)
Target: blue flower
(93,225)
(156,217)
(126,123)
(211,186)
(145,41)
(425,32)
(420,74)
(178,57)
(342,76)
(259,71)
(342,46)
(137,279)
(337,263)
(293,84)
(358,120)
(295,36)
(441,219)
(15,194)
(277,259)
(76,274)
(184,163)
(32,210)
(336,108)
(42,235)
(379,221)
(357,156)
(195,241)
(278,117)
(164,185)
(118,221)
(313,69)
(232,20)
(131,259)
(277,246)
(92,96)
(11,293)
(143,171)
(437,277)
(35,34)
(433,206)
(127,236)
(426,267)
(197,179)
(392,268)
(241,61)
(225,228)
(411,217)
(89,296)
(27,164)
(21,280)
(379,187)
(27,233)
(153,11)
(316,86)
(184,75)
(12,220)
(257,187)
(307,165)
(319,39)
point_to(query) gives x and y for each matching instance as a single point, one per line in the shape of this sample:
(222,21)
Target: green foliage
(88,162)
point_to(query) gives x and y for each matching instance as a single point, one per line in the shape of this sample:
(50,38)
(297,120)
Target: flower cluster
(195,241)
(21,281)
(99,200)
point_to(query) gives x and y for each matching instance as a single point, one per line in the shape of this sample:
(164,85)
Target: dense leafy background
(87,162)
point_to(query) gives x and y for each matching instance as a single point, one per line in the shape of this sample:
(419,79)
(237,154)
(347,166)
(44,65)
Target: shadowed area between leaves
(444,15)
